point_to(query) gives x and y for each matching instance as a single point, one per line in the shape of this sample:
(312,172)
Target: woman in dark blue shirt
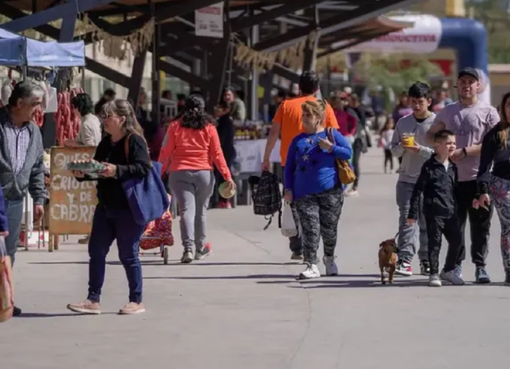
(312,184)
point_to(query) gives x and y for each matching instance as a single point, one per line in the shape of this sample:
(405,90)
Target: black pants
(357,149)
(295,243)
(319,215)
(216,198)
(388,158)
(479,221)
(450,228)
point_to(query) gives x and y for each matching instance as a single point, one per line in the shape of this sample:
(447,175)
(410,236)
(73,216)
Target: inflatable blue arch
(468,38)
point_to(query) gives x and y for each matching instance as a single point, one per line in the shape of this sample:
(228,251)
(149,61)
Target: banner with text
(209,21)
(72,203)
(422,38)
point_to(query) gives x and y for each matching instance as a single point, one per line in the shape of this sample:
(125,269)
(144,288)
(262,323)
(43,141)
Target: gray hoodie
(412,161)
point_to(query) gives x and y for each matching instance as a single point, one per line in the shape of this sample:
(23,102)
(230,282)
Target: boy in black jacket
(437,182)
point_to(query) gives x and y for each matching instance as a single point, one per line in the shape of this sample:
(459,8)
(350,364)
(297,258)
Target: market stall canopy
(18,50)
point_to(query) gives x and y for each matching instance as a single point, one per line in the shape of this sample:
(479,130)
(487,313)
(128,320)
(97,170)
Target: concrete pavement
(242,307)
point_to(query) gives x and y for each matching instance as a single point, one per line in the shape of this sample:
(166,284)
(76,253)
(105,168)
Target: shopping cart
(158,235)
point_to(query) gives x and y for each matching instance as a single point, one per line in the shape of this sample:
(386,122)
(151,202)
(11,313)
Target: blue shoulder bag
(147,197)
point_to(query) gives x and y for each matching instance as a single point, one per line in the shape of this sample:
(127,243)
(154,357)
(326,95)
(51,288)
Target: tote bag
(6,294)
(147,197)
(289,228)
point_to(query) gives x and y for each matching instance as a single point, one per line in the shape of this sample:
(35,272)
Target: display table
(250,154)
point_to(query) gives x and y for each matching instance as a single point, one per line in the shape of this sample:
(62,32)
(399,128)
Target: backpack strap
(270,220)
(126,147)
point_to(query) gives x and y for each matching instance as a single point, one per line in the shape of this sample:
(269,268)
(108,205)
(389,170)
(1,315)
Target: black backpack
(266,196)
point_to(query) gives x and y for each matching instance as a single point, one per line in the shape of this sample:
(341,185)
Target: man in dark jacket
(226,132)
(21,160)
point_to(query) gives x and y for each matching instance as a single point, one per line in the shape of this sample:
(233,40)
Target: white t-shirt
(386,137)
(90,131)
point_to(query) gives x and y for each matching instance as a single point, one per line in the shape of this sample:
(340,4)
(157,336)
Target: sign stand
(72,203)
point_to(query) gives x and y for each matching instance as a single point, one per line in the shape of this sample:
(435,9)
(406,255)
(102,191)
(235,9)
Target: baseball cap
(471,72)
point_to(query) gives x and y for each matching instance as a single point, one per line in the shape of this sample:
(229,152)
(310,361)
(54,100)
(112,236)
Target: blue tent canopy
(18,50)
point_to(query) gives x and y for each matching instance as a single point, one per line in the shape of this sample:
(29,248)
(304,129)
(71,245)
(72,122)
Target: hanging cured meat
(39,116)
(67,121)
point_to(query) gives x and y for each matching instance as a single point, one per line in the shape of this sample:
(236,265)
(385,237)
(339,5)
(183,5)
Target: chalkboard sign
(72,203)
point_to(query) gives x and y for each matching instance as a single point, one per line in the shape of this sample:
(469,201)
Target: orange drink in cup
(408,139)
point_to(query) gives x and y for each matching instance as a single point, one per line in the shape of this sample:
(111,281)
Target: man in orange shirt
(288,122)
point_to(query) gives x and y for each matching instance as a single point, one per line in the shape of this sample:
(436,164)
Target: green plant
(394,74)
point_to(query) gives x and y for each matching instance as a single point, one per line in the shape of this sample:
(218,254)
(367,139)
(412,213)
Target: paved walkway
(242,308)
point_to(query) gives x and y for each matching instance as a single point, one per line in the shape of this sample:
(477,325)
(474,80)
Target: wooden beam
(182,74)
(51,14)
(135,83)
(265,16)
(107,72)
(364,12)
(310,57)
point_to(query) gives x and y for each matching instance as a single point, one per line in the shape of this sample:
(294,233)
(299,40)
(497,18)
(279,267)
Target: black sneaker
(507,279)
(425,268)
(16,311)
(481,276)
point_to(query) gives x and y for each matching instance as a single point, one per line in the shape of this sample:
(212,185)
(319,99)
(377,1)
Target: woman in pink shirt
(346,122)
(190,148)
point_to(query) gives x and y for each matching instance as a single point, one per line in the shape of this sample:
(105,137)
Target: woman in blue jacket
(312,183)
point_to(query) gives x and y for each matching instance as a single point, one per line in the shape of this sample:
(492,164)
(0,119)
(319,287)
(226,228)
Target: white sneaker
(404,268)
(435,281)
(453,277)
(311,272)
(329,262)
(351,193)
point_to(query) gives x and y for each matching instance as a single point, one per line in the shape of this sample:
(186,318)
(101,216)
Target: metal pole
(254,95)
(156,84)
(25,241)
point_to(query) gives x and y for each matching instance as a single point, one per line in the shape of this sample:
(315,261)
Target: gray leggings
(192,189)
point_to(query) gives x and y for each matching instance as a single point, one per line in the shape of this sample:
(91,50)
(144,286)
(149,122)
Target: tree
(495,15)
(393,73)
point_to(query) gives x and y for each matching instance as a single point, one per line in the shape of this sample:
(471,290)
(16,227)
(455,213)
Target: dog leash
(396,235)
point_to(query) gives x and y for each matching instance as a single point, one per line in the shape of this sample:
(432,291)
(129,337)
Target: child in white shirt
(385,141)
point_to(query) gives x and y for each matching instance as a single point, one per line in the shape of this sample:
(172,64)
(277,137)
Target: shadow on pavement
(255,276)
(363,283)
(159,262)
(47,315)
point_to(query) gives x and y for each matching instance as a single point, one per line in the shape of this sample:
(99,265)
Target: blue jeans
(109,225)
(411,237)
(14,213)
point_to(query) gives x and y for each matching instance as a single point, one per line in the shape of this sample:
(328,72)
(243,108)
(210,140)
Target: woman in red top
(190,148)
(346,122)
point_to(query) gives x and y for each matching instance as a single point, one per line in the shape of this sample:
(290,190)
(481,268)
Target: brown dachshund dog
(388,258)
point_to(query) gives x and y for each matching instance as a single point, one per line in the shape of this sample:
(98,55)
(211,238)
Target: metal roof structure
(349,21)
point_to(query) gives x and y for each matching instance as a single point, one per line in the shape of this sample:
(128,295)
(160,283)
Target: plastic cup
(225,191)
(408,139)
